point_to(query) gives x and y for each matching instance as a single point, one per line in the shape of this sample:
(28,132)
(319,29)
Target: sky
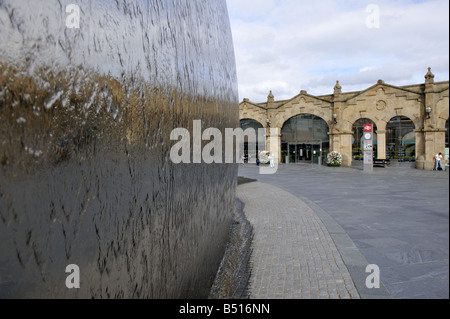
(291,45)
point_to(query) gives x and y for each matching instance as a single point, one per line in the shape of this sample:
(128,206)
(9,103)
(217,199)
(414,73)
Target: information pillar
(368,148)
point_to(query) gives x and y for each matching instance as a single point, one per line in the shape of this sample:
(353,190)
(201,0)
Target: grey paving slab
(394,217)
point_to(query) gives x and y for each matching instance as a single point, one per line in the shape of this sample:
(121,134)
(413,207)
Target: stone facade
(427,105)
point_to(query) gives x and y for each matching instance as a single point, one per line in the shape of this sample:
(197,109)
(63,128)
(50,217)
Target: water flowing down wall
(87,105)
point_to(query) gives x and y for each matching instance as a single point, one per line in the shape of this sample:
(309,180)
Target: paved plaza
(317,228)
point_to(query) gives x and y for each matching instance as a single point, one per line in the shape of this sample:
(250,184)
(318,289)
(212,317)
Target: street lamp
(428,110)
(335,118)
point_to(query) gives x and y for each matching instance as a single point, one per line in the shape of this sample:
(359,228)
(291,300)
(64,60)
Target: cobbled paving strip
(293,255)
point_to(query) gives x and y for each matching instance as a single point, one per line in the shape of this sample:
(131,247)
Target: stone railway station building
(411,123)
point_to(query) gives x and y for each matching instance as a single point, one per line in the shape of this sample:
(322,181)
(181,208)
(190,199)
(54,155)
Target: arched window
(401,140)
(358,139)
(251,150)
(304,138)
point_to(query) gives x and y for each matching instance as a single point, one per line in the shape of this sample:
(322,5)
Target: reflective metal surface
(85,121)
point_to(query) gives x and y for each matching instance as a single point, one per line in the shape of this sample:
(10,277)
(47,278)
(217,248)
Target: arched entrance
(358,139)
(251,149)
(305,139)
(401,140)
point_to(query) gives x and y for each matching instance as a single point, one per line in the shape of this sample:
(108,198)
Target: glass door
(305,153)
(317,154)
(292,153)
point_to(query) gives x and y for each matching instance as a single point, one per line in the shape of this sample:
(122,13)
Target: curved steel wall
(85,121)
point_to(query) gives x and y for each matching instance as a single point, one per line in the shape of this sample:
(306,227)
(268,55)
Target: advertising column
(368,148)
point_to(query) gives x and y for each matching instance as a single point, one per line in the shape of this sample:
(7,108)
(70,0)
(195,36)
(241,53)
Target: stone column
(434,136)
(340,140)
(434,144)
(346,148)
(278,158)
(342,143)
(381,140)
(275,135)
(420,149)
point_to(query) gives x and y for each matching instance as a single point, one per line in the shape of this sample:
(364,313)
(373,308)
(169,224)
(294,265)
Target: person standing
(438,165)
(272,162)
(243,159)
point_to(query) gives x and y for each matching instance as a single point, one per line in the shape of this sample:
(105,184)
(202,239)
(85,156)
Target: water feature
(88,99)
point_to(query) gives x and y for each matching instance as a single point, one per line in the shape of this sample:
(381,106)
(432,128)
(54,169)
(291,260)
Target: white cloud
(291,45)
